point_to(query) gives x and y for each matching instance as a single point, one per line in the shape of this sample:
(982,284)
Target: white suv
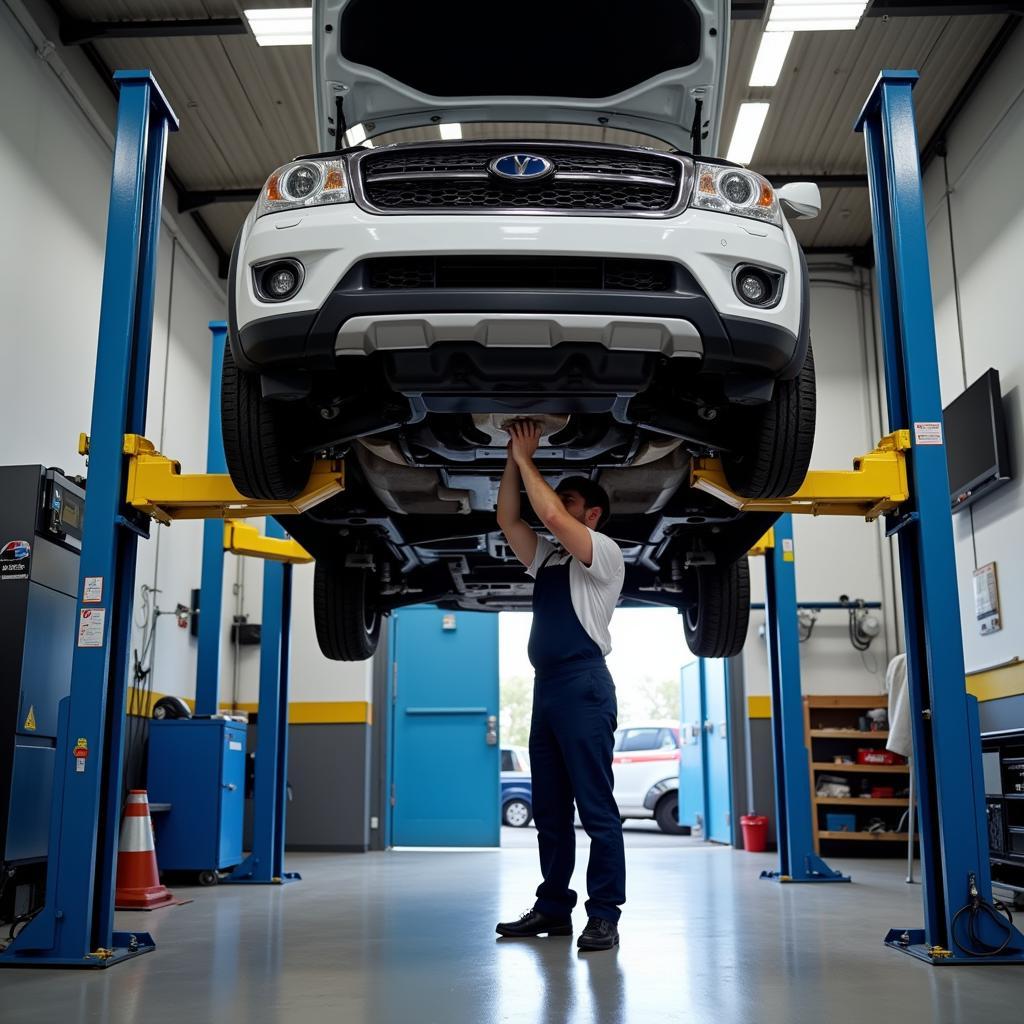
(646,769)
(525,221)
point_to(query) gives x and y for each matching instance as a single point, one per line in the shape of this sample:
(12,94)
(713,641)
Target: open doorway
(648,653)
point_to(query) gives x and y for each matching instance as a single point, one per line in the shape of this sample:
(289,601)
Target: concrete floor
(408,938)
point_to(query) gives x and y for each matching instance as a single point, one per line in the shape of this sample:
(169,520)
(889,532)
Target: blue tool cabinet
(197,766)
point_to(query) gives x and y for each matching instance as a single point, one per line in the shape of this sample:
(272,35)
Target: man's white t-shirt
(594,591)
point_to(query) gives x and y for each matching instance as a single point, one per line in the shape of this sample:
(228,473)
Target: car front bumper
(331,243)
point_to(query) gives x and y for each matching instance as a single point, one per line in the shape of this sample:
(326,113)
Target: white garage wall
(55,157)
(57,162)
(979,229)
(835,555)
(313,677)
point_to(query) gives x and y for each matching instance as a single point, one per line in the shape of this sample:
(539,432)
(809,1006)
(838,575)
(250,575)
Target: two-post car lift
(905,477)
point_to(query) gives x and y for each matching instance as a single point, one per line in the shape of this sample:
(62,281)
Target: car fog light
(278,281)
(753,288)
(282,282)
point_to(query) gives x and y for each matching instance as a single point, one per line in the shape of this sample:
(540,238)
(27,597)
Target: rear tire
(259,463)
(345,612)
(666,814)
(782,436)
(716,625)
(517,814)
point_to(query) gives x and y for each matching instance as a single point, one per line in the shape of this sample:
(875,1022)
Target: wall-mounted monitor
(977,453)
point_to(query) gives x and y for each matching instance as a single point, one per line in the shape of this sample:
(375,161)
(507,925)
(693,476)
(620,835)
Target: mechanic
(577,584)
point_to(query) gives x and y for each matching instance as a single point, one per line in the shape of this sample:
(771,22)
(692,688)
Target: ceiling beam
(75,32)
(821,180)
(194,200)
(754,10)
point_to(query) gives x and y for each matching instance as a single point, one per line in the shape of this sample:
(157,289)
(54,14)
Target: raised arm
(569,532)
(520,535)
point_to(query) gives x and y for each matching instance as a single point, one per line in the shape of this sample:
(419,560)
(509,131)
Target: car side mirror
(800,198)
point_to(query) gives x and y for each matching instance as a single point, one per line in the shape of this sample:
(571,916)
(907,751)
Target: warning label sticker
(928,433)
(92,590)
(90,627)
(30,719)
(81,753)
(787,549)
(15,559)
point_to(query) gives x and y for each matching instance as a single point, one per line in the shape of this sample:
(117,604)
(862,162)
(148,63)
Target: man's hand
(525,437)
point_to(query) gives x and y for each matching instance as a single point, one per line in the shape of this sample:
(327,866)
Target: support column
(956,877)
(75,925)
(793,809)
(211,593)
(265,865)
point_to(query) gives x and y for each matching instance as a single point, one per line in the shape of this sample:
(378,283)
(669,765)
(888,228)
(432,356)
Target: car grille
(534,273)
(586,180)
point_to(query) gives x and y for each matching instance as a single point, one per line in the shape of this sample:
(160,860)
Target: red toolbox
(876,756)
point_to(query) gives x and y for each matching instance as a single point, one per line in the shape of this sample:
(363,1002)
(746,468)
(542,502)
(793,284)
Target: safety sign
(90,627)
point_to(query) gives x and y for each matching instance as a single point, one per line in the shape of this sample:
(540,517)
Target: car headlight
(734,190)
(304,183)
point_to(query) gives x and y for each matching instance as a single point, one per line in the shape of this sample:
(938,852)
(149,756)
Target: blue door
(704,779)
(716,750)
(444,730)
(691,750)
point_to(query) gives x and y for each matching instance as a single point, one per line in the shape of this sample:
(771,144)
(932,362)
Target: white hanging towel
(900,739)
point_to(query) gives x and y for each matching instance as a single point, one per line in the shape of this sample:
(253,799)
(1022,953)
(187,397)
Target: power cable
(975,908)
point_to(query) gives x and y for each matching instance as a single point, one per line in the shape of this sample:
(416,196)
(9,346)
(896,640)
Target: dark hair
(593,495)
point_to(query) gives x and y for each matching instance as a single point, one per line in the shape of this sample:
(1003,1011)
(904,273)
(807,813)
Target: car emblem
(521,167)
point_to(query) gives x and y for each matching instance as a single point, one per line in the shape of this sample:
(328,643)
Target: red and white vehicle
(646,769)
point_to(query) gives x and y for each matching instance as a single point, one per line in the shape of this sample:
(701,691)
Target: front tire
(666,814)
(259,462)
(345,611)
(782,436)
(716,624)
(517,814)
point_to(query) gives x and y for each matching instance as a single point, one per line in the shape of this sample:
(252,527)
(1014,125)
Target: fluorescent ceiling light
(771,55)
(815,15)
(749,123)
(451,131)
(282,26)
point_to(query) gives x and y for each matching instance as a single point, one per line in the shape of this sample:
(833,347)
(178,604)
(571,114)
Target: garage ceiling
(245,109)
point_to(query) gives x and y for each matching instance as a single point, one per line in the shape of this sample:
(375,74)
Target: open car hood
(641,67)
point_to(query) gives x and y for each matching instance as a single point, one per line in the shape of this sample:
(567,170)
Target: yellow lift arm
(876,484)
(157,486)
(245,539)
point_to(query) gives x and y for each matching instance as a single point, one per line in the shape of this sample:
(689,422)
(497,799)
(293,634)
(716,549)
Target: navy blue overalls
(571,739)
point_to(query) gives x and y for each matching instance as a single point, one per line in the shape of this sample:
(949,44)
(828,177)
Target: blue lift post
(75,927)
(797,860)
(265,864)
(211,592)
(956,875)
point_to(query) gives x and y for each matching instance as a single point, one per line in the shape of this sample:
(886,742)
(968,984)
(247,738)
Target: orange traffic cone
(138,882)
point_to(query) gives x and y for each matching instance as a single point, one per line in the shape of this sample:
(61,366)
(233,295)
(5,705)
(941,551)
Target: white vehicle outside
(646,769)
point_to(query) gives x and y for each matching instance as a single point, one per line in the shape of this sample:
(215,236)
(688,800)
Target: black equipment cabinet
(1003,759)
(41,513)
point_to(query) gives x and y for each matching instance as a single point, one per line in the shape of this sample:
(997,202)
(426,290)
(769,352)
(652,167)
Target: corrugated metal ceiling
(245,109)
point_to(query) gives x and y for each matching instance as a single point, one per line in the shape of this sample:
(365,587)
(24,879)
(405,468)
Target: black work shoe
(533,922)
(599,934)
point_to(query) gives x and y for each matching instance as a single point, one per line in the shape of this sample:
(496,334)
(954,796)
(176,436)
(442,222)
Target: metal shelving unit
(836,734)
